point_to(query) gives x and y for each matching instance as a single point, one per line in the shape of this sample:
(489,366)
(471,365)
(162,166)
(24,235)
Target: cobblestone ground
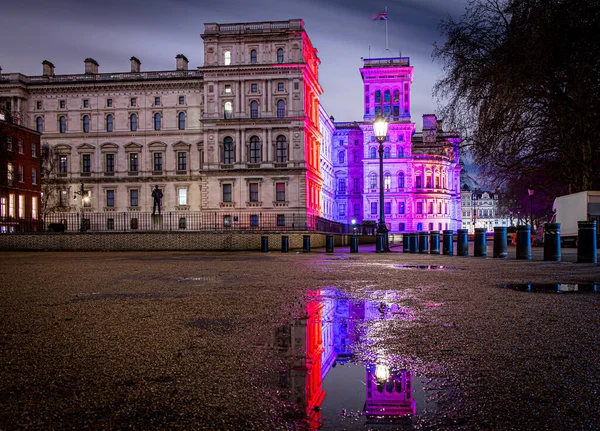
(182,340)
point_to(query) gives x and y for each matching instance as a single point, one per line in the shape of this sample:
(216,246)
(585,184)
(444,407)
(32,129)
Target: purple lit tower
(421,169)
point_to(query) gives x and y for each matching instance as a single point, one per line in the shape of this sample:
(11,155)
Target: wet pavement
(181,340)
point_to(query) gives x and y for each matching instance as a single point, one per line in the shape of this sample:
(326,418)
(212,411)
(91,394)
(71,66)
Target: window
(253,56)
(20,173)
(21,146)
(280,87)
(228,110)
(133,122)
(62,124)
(110,198)
(181,120)
(356,185)
(356,209)
(157,101)
(428,181)
(182,100)
(11,205)
(87,201)
(63,198)
(356,156)
(401,180)
(280,192)
(253,220)
(254,109)
(181,161)
(227,89)
(109,123)
(387,207)
(227,193)
(387,181)
(280,55)
(419,227)
(378,96)
(373,207)
(10,174)
(62,104)
(133,102)
(33,175)
(109,103)
(253,192)
(401,207)
(227,58)
(401,227)
(110,163)
(39,124)
(342,185)
(86,124)
(158,162)
(430,226)
(86,103)
(228,156)
(254,150)
(133,198)
(34,207)
(282,155)
(373,181)
(254,88)
(387,153)
(34,149)
(437,182)
(341,157)
(419,207)
(280,220)
(62,164)
(21,206)
(133,162)
(38,104)
(280,109)
(418,182)
(86,163)
(372,153)
(342,210)
(430,208)
(157,121)
(182,196)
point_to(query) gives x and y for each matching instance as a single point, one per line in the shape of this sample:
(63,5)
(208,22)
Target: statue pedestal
(157,222)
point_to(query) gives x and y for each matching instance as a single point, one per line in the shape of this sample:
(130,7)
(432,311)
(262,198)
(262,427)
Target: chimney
(429,122)
(47,68)
(439,125)
(135,65)
(182,62)
(91,66)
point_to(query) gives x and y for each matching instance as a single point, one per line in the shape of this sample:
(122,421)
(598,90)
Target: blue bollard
(406,243)
(414,243)
(462,242)
(423,242)
(448,242)
(480,242)
(354,244)
(524,242)
(434,242)
(329,244)
(500,242)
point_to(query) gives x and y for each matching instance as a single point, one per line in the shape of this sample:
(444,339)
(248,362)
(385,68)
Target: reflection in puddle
(554,287)
(334,380)
(424,267)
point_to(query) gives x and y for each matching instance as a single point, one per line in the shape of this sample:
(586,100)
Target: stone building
(481,209)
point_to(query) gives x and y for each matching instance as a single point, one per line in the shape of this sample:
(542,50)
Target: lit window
(373,181)
(227,58)
(280,192)
(34,207)
(21,146)
(387,181)
(182,196)
(21,206)
(33,175)
(62,164)
(10,175)
(11,205)
(227,89)
(133,162)
(228,110)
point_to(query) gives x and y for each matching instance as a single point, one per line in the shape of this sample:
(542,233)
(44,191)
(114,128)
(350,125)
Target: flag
(380,16)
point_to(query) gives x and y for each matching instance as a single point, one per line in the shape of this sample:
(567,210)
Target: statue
(157,196)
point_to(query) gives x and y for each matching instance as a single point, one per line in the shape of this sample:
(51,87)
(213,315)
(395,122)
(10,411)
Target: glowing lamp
(382,373)
(380,127)
(353,221)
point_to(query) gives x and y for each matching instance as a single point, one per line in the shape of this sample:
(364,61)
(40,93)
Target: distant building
(481,209)
(20,176)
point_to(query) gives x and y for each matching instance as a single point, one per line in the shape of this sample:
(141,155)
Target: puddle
(434,267)
(337,379)
(555,287)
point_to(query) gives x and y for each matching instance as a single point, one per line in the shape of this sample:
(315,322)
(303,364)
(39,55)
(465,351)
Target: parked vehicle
(570,209)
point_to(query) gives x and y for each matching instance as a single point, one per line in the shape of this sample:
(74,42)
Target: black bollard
(306,243)
(552,250)
(406,243)
(329,244)
(500,242)
(264,244)
(434,242)
(414,243)
(379,243)
(524,242)
(423,242)
(448,242)
(586,242)
(285,244)
(480,242)
(462,242)
(354,244)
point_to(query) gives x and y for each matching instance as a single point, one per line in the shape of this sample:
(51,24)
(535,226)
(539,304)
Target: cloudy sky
(65,32)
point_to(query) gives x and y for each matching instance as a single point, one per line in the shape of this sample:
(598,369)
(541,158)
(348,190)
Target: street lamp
(380,126)
(84,200)
(530,192)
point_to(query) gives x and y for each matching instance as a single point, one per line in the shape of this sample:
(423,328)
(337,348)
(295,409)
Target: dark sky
(65,32)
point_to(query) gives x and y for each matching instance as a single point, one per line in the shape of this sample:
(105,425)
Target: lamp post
(84,199)
(380,126)
(530,192)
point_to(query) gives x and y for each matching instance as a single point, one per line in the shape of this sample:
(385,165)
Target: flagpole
(387,49)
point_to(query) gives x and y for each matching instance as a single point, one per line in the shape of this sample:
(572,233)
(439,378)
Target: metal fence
(172,221)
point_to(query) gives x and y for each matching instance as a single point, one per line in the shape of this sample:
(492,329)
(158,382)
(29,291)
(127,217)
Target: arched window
(373,181)
(401,180)
(181,120)
(253,56)
(378,96)
(228,150)
(387,183)
(400,152)
(86,124)
(133,122)
(39,124)
(254,109)
(227,58)
(396,96)
(228,110)
(282,151)
(280,55)
(341,157)
(254,150)
(62,124)
(386,96)
(157,121)
(387,153)
(109,123)
(280,109)
(372,153)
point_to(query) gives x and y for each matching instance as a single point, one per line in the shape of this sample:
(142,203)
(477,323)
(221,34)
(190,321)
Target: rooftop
(100,77)
(388,61)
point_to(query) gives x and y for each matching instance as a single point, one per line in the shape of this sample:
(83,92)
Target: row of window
(253,194)
(387,105)
(109,122)
(9,208)
(442,208)
(255,150)
(10,174)
(482,213)
(253,57)
(21,146)
(133,162)
(254,88)
(62,104)
(254,112)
